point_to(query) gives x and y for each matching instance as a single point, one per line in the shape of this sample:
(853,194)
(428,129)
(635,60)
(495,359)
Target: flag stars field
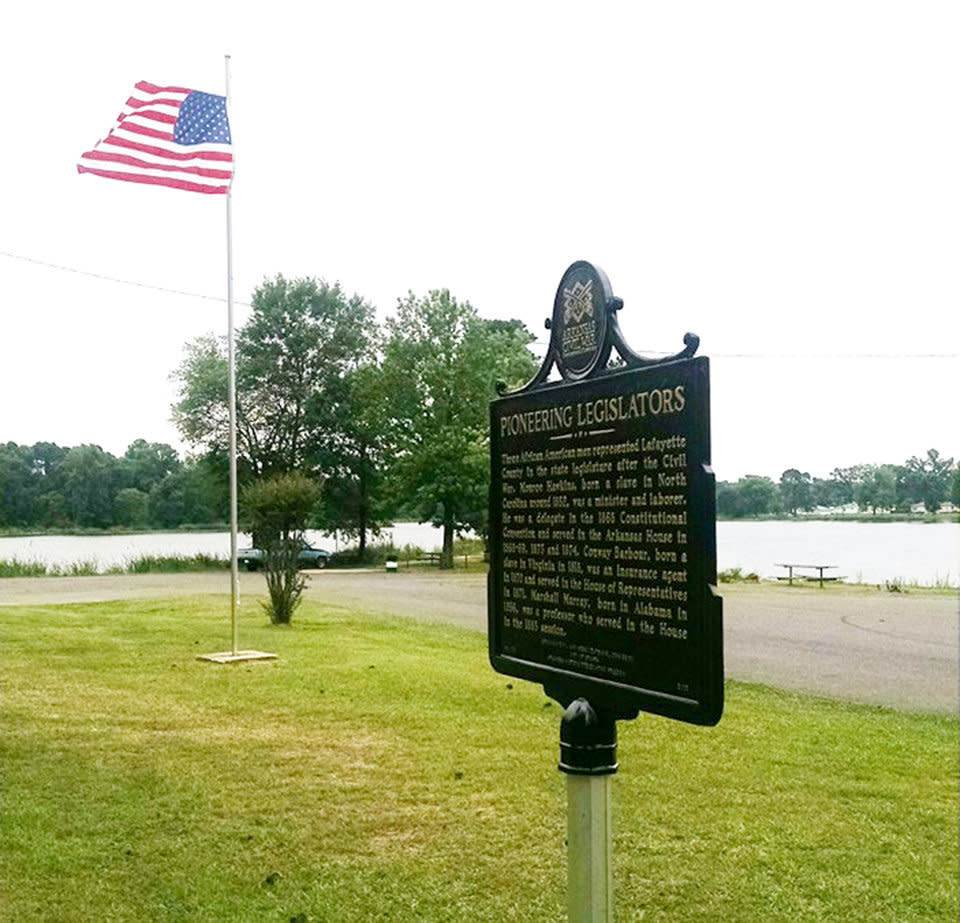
(202,118)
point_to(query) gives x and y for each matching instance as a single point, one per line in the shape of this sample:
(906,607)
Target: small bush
(736,575)
(285,583)
(277,510)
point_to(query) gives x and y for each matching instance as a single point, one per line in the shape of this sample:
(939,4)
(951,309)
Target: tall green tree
(50,504)
(90,479)
(441,362)
(927,480)
(831,492)
(303,339)
(131,508)
(877,487)
(194,493)
(17,486)
(201,412)
(295,357)
(353,498)
(145,464)
(796,491)
(752,495)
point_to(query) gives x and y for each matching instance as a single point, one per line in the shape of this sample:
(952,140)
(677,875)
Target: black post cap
(588,741)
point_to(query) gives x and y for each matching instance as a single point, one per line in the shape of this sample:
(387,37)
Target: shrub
(736,575)
(277,510)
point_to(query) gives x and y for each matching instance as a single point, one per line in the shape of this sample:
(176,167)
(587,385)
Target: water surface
(923,553)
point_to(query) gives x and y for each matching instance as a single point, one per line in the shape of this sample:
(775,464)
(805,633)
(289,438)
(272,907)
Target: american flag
(167,136)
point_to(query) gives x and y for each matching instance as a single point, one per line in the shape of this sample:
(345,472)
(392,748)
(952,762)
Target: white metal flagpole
(232,400)
(234,653)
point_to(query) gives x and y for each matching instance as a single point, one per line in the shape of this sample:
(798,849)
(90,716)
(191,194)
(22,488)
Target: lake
(915,552)
(923,553)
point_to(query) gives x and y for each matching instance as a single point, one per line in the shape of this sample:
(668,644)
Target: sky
(779,178)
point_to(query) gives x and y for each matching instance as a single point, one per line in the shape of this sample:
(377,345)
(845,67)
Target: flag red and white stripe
(163,140)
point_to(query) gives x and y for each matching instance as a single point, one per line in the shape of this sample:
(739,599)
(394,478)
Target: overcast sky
(781,179)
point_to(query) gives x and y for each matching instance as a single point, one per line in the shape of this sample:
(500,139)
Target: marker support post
(588,755)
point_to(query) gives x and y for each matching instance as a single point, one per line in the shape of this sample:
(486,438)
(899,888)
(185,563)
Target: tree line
(47,486)
(930,480)
(387,421)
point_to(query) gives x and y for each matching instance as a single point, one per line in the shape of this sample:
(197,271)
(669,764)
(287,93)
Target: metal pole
(235,654)
(232,401)
(589,849)
(588,755)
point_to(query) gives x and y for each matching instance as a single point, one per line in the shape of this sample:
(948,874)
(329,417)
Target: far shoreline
(213,528)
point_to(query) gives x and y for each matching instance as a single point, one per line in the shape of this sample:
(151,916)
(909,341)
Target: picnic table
(820,568)
(424,557)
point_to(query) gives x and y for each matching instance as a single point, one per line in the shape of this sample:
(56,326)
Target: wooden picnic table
(428,557)
(820,568)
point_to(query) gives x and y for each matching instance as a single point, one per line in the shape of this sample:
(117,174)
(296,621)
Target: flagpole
(232,399)
(234,655)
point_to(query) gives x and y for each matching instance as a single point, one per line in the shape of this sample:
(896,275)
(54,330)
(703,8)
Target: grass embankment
(379,770)
(145,564)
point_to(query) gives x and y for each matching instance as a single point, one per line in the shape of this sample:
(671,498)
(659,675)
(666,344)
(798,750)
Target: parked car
(252,558)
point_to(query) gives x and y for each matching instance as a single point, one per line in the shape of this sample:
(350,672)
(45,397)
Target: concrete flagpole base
(235,656)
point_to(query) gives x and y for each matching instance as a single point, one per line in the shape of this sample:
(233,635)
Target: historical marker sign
(603,527)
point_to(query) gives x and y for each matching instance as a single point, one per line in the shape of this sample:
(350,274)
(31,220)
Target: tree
(130,508)
(16,487)
(759,495)
(927,480)
(303,338)
(201,413)
(145,464)
(295,357)
(440,368)
(195,492)
(752,495)
(276,511)
(796,491)
(353,500)
(876,487)
(831,492)
(90,477)
(50,505)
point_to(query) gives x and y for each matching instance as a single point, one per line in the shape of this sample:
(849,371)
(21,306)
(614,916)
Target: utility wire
(540,343)
(657,354)
(105,278)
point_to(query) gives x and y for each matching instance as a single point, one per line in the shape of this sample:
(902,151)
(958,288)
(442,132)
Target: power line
(105,278)
(836,355)
(540,343)
(655,354)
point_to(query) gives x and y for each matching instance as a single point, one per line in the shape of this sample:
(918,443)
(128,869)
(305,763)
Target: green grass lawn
(380,770)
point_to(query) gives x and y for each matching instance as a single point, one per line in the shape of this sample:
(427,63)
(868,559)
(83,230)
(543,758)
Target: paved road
(894,649)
